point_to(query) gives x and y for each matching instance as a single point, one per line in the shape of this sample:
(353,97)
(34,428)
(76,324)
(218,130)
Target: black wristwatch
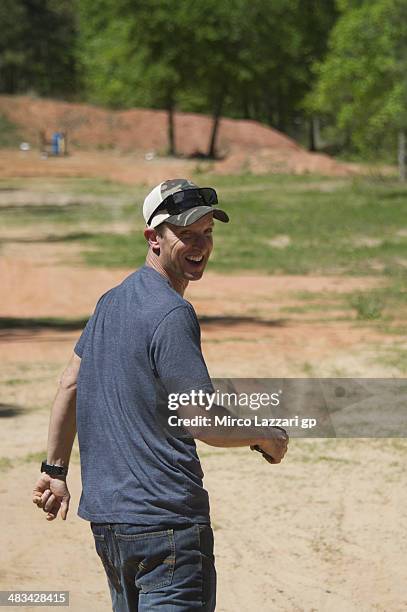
(53,470)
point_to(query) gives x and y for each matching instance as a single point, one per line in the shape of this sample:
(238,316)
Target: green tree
(261,68)
(362,84)
(277,72)
(255,57)
(164,33)
(105,49)
(240,58)
(218,42)
(12,56)
(316,19)
(37,47)
(137,53)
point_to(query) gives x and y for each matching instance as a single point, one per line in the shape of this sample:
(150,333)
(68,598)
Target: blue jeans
(171,570)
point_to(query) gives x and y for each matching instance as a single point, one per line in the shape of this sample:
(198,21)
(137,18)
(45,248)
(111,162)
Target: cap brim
(190,216)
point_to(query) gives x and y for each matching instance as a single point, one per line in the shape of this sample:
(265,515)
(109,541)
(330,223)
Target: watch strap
(53,470)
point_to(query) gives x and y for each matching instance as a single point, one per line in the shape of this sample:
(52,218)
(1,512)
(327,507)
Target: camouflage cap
(192,210)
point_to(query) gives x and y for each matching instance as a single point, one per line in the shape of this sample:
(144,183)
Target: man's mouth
(195,260)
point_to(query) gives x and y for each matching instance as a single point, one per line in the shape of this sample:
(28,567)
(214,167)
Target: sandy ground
(324,531)
(134,169)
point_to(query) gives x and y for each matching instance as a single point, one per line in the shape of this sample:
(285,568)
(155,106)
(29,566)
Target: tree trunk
(270,113)
(281,123)
(402,155)
(171,128)
(311,135)
(246,107)
(215,126)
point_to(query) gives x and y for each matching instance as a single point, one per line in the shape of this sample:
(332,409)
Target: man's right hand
(275,447)
(52,494)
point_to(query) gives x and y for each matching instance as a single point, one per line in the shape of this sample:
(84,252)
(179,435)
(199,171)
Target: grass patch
(368,306)
(5,464)
(398,444)
(75,185)
(395,357)
(389,328)
(115,250)
(37,457)
(345,226)
(310,295)
(13,382)
(334,459)
(310,307)
(351,229)
(382,303)
(308,369)
(70,215)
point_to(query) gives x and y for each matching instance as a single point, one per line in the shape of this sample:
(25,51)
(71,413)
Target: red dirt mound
(245,145)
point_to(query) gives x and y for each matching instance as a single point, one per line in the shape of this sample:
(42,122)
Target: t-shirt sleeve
(80,345)
(176,354)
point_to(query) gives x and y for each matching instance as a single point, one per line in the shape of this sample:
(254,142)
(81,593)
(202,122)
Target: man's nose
(200,241)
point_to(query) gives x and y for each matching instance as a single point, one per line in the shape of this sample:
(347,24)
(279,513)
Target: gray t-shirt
(141,343)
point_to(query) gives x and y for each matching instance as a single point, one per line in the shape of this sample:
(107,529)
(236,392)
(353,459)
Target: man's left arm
(177,356)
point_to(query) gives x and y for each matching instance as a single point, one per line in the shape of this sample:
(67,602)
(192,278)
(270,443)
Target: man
(142,482)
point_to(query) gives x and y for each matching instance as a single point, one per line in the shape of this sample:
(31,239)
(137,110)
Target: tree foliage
(242,58)
(37,47)
(239,58)
(278,62)
(362,84)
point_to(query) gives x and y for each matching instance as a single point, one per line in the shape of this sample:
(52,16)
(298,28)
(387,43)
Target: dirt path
(285,539)
(324,531)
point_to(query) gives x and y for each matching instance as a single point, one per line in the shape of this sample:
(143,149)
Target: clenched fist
(275,447)
(52,494)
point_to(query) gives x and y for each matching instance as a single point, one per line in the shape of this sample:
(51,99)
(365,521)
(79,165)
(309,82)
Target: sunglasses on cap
(180,201)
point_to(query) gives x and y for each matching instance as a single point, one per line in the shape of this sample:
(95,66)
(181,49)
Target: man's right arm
(51,493)
(62,425)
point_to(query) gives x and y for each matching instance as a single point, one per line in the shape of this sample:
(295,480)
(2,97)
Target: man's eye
(209,230)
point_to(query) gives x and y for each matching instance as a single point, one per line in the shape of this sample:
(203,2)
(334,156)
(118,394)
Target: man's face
(184,251)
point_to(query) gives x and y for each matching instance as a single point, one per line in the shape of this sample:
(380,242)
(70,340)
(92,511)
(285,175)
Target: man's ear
(151,235)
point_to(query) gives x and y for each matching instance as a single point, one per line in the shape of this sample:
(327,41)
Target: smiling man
(179,218)
(142,483)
